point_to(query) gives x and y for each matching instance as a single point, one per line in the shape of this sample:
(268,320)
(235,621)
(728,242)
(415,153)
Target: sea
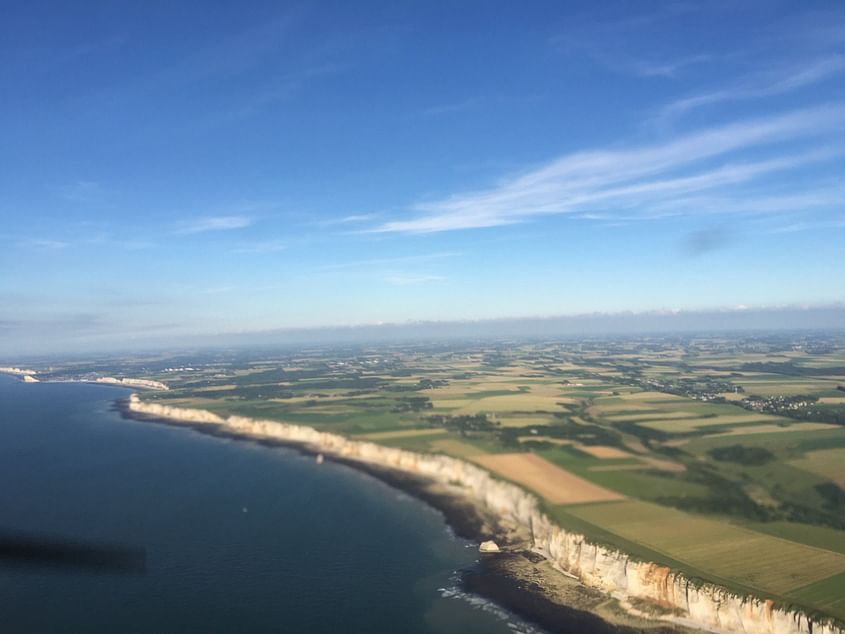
(238,537)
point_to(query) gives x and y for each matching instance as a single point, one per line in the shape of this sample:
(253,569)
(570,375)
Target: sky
(169,170)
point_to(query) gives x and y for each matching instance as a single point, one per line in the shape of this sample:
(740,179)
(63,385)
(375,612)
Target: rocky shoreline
(528,578)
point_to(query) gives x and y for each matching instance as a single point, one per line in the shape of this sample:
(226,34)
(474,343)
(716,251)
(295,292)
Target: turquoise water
(238,537)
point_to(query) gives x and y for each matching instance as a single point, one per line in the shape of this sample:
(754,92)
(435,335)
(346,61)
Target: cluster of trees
(789,368)
(411,404)
(726,498)
(740,454)
(834,496)
(463,424)
(422,384)
(566,429)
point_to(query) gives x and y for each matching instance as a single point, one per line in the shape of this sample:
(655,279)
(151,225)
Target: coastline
(521,587)
(545,573)
(28,376)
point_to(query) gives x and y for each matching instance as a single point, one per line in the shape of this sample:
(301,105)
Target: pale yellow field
(544,478)
(522,421)
(633,418)
(548,389)
(832,400)
(691,424)
(403,433)
(451,403)
(788,387)
(600,451)
(455,448)
(610,405)
(827,463)
(663,465)
(522,402)
(214,388)
(769,429)
(651,396)
(729,551)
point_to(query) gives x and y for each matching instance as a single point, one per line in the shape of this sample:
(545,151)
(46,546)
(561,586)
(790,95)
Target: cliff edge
(704,606)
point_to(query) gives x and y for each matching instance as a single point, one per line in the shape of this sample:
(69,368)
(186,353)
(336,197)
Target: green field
(770,564)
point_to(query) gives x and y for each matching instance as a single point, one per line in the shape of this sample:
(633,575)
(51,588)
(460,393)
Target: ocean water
(238,537)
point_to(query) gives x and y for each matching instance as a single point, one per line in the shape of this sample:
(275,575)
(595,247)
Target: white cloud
(267,246)
(762,86)
(51,245)
(666,68)
(216,223)
(805,226)
(348,220)
(356,264)
(638,178)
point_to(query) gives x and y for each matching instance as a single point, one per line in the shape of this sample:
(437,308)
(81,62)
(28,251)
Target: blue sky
(194,168)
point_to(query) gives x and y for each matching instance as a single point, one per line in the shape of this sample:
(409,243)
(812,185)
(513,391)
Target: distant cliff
(142,383)
(705,606)
(16,371)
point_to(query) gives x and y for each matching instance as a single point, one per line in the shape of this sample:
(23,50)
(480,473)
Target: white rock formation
(17,371)
(488,547)
(28,378)
(705,606)
(142,383)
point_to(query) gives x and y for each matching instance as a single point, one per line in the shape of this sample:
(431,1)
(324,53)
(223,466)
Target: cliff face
(18,371)
(704,606)
(142,383)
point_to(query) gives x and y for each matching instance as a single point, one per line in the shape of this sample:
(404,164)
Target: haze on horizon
(183,171)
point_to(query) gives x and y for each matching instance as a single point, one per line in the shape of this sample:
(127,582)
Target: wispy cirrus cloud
(634,181)
(375,262)
(838,223)
(44,244)
(350,219)
(664,68)
(615,43)
(215,223)
(264,246)
(449,108)
(766,85)
(765,201)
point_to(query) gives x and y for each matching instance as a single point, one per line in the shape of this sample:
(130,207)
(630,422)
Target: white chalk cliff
(129,382)
(17,371)
(704,606)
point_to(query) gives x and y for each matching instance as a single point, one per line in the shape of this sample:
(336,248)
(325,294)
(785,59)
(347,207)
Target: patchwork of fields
(746,557)
(552,483)
(722,457)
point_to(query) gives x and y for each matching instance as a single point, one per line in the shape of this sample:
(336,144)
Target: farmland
(719,456)
(554,484)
